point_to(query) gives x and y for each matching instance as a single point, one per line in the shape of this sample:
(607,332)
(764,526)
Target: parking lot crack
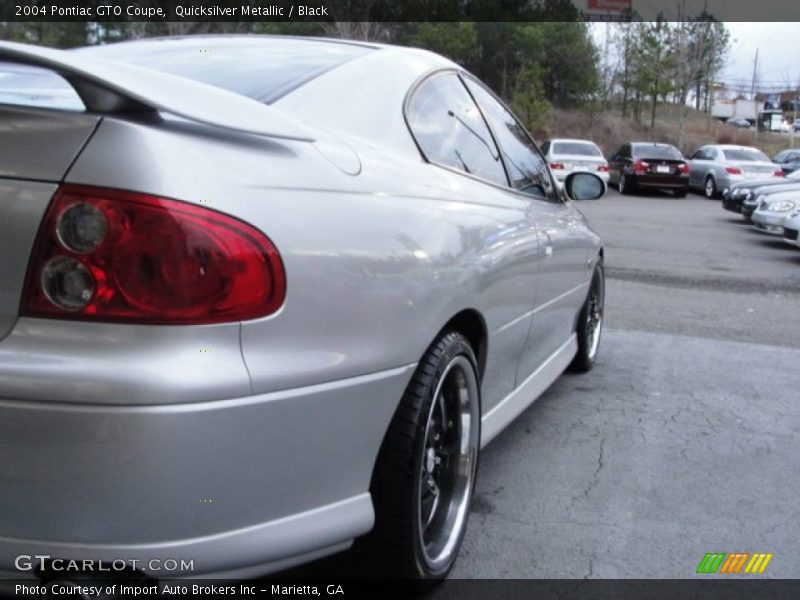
(596,475)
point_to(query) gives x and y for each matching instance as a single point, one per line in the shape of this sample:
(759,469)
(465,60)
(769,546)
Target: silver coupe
(263,296)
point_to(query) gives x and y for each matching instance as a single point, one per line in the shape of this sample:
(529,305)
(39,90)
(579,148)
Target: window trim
(407,101)
(557,195)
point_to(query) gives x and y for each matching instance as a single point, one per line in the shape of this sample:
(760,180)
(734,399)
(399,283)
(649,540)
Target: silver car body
(791,229)
(249,446)
(752,198)
(563,163)
(710,163)
(745,188)
(773,210)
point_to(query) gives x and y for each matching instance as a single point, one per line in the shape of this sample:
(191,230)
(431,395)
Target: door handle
(548,248)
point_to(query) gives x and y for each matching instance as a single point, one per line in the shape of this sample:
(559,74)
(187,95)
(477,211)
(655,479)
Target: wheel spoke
(443,412)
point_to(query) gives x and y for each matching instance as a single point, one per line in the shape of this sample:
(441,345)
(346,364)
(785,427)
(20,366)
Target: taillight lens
(557,166)
(733,170)
(779,173)
(603,168)
(683,168)
(640,166)
(109,255)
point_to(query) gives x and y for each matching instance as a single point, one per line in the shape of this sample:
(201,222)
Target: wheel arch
(471,324)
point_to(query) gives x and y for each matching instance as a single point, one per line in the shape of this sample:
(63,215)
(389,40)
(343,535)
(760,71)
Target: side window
(545,148)
(711,154)
(450,130)
(526,167)
(699,155)
(625,151)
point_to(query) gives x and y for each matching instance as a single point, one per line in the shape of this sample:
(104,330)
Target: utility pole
(753,95)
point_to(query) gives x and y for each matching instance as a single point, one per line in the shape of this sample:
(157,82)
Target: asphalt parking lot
(683,439)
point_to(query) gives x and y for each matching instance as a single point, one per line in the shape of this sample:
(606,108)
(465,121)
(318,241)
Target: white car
(567,156)
(791,229)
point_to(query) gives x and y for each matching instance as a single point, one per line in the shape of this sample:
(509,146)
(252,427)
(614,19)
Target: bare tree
(699,48)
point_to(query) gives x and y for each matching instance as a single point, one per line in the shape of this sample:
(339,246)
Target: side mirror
(584,186)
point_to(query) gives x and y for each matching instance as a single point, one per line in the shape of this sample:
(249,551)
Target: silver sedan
(716,168)
(773,210)
(566,156)
(262,296)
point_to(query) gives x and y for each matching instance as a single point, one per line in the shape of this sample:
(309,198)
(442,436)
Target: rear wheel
(425,474)
(590,323)
(710,187)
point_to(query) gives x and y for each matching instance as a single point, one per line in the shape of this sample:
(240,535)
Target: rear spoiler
(110,87)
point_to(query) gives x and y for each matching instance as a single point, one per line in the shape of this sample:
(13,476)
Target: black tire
(624,185)
(680,193)
(399,536)
(710,187)
(587,345)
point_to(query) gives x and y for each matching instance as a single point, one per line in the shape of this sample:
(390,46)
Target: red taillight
(640,166)
(557,166)
(683,168)
(109,255)
(778,173)
(733,170)
(603,168)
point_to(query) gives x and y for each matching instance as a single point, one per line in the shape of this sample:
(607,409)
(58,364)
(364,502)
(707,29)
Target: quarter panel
(109,363)
(376,263)
(22,204)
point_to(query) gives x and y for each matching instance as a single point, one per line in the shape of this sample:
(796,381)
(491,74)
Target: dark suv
(648,165)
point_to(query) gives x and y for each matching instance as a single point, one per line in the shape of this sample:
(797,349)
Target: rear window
(39,88)
(260,68)
(745,154)
(658,152)
(578,148)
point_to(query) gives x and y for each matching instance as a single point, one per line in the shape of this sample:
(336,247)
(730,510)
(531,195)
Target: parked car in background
(791,229)
(567,156)
(787,160)
(738,122)
(647,165)
(751,203)
(734,196)
(716,167)
(773,209)
(386,279)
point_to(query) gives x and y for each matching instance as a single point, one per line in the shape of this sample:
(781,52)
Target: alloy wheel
(448,463)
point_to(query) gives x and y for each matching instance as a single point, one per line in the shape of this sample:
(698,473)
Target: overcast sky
(778,58)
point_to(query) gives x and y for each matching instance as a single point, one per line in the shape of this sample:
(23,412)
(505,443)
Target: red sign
(610,5)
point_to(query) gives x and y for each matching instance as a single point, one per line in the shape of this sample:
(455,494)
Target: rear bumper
(660,183)
(561,175)
(249,485)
